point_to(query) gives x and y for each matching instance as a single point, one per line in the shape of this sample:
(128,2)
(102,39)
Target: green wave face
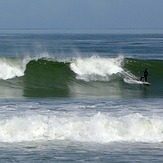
(84,77)
(155,77)
(47,78)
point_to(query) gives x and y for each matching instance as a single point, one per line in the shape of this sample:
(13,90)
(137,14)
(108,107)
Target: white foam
(130,78)
(10,68)
(98,128)
(15,67)
(132,81)
(96,68)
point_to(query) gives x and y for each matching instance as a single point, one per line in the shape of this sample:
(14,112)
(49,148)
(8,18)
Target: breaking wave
(79,77)
(98,128)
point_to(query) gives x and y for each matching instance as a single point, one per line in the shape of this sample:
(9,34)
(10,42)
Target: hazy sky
(81,14)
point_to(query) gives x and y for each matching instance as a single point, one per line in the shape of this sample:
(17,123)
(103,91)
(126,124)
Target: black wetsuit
(146,73)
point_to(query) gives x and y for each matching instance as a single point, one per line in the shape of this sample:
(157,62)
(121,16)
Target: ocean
(76,96)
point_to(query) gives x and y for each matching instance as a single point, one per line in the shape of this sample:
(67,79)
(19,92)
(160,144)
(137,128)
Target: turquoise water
(77,97)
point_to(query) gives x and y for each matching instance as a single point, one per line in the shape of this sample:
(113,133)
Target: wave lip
(16,67)
(96,68)
(10,68)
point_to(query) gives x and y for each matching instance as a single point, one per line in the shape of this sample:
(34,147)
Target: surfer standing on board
(146,73)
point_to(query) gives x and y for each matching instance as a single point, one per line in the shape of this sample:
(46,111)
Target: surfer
(146,73)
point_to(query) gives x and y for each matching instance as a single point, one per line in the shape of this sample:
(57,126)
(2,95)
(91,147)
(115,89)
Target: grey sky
(81,14)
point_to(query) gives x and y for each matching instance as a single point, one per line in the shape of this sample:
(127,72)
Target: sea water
(76,97)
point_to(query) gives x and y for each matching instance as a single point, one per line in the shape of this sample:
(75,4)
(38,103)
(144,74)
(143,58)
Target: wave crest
(96,68)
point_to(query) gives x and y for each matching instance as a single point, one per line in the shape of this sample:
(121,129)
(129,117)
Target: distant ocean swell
(79,77)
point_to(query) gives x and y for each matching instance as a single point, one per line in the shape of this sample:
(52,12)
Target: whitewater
(96,128)
(78,98)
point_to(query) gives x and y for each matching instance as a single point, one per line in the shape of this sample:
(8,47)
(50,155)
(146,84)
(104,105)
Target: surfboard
(146,83)
(143,82)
